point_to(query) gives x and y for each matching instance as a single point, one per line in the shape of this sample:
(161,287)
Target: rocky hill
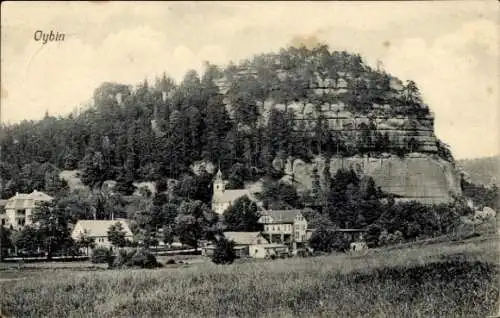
(378,125)
(293,107)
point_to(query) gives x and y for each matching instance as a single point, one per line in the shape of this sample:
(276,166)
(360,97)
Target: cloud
(464,98)
(449,49)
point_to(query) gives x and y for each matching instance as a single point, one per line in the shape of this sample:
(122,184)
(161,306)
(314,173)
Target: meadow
(437,280)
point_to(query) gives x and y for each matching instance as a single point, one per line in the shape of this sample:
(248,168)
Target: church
(222,199)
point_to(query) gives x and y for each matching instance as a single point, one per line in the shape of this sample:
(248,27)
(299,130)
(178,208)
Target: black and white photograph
(250,159)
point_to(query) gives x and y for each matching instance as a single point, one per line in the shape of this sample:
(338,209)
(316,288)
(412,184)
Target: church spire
(219,182)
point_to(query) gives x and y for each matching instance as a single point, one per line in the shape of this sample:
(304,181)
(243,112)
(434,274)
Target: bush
(327,240)
(143,259)
(224,252)
(170,262)
(135,258)
(101,255)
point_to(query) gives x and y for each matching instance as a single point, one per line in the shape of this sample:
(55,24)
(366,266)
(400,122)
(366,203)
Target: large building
(98,231)
(284,226)
(19,208)
(222,199)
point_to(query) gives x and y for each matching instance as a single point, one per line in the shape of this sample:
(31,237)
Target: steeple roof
(218,175)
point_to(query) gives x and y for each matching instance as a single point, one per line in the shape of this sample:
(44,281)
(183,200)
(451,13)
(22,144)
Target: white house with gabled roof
(98,231)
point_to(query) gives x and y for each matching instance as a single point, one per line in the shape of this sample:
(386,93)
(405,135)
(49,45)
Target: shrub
(101,255)
(327,240)
(224,252)
(122,258)
(170,262)
(143,259)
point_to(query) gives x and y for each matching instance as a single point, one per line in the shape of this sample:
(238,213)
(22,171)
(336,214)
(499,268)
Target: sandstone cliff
(419,177)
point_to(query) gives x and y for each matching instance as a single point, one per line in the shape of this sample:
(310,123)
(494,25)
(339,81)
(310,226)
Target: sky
(450,49)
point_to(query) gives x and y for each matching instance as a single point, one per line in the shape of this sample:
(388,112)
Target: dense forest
(157,130)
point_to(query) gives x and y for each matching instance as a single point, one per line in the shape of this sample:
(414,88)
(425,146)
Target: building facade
(243,241)
(19,208)
(97,230)
(284,226)
(222,199)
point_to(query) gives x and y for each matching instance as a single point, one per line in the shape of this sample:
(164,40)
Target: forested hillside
(271,105)
(484,171)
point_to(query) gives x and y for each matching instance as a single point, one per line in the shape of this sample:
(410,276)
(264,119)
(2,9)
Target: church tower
(219,185)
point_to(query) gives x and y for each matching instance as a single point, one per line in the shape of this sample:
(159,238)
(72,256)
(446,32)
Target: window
(21,221)
(21,211)
(3,221)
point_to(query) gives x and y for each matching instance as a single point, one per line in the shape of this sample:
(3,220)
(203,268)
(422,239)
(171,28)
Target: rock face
(359,108)
(199,167)
(423,179)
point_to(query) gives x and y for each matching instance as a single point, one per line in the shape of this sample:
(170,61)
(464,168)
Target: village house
(98,231)
(268,250)
(250,244)
(242,241)
(19,208)
(284,226)
(222,199)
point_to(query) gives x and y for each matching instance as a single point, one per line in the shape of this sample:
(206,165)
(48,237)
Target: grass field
(440,280)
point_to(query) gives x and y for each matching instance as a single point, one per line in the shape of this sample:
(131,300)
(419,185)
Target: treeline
(158,130)
(481,195)
(357,203)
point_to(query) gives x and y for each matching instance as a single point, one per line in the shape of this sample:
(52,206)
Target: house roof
(282,216)
(244,238)
(273,245)
(230,195)
(26,200)
(96,228)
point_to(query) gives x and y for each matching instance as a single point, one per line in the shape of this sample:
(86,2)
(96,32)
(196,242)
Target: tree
(52,226)
(5,241)
(187,229)
(168,234)
(94,169)
(373,234)
(85,241)
(327,240)
(224,252)
(280,194)
(243,215)
(117,235)
(195,221)
(237,176)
